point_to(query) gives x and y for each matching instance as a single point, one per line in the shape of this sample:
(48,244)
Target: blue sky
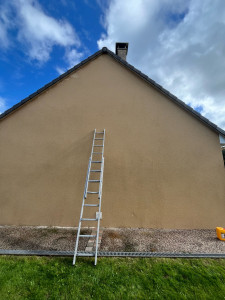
(178,43)
(21,73)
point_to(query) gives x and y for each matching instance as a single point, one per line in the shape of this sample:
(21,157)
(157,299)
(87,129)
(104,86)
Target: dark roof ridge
(105,50)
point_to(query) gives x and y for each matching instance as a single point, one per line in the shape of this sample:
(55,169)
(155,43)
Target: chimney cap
(121,46)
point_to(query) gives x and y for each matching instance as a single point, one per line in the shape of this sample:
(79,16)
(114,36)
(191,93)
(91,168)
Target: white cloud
(180,44)
(41,32)
(2,105)
(37,32)
(72,58)
(60,70)
(5,25)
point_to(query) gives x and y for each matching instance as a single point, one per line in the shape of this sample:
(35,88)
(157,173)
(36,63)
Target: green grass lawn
(112,278)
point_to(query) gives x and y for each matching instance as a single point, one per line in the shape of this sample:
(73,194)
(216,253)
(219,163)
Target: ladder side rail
(102,166)
(78,233)
(81,212)
(77,239)
(103,143)
(89,166)
(87,178)
(99,212)
(101,179)
(93,143)
(97,237)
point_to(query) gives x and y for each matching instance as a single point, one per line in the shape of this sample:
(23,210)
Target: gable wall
(163,168)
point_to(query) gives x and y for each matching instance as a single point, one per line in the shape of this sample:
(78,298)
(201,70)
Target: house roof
(105,50)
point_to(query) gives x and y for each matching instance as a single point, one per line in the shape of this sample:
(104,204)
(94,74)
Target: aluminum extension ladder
(99,137)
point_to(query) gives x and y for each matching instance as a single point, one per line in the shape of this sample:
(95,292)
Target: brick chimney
(121,50)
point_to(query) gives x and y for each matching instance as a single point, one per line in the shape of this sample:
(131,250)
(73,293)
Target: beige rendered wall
(163,167)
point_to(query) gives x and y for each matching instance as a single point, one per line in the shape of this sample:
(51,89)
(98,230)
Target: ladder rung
(93,180)
(98,145)
(94,205)
(96,161)
(95,170)
(89,192)
(100,132)
(87,219)
(97,152)
(87,235)
(99,139)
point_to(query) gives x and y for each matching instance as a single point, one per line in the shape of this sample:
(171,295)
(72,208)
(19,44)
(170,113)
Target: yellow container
(220,231)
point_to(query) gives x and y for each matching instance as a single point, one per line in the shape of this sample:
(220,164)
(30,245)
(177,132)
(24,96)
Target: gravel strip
(115,239)
(34,238)
(162,240)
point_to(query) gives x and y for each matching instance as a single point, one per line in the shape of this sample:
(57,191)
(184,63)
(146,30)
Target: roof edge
(105,50)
